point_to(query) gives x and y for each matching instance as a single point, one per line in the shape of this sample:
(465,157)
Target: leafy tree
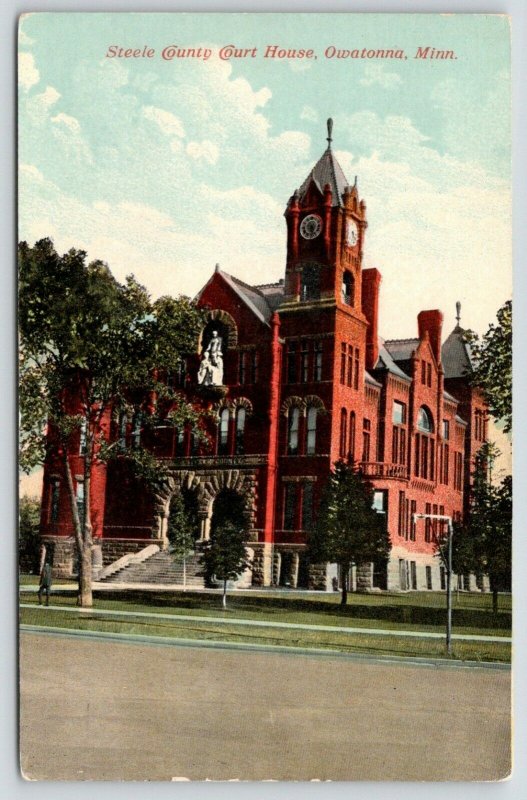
(483,544)
(225,555)
(28,534)
(492,370)
(181,532)
(90,347)
(348,531)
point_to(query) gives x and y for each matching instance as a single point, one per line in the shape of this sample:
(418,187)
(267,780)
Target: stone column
(365,576)
(293,578)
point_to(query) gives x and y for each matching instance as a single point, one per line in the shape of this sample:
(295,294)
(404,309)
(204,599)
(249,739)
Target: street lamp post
(448,565)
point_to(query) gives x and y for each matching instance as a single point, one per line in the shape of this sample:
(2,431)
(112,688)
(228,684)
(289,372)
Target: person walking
(45,583)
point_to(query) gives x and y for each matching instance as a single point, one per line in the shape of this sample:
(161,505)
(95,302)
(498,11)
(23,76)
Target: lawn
(416,611)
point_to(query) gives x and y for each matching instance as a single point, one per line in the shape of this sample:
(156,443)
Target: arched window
(424,445)
(311,437)
(123,424)
(223,432)
(240,430)
(292,431)
(343,433)
(352,437)
(310,285)
(137,423)
(348,288)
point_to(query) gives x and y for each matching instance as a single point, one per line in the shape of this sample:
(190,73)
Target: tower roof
(327,170)
(456,355)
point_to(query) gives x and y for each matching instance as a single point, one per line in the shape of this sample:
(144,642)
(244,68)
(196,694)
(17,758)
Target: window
(136,429)
(401,519)
(311,441)
(479,426)
(398,413)
(310,283)
(442,577)
(123,424)
(429,375)
(254,366)
(304,362)
(458,471)
(413,511)
(406,518)
(350,366)
(343,433)
(307,506)
(428,523)
(413,574)
(366,437)
(54,500)
(428,577)
(223,432)
(290,493)
(79,499)
(343,363)
(180,442)
(240,430)
(424,421)
(292,432)
(352,437)
(347,292)
(82,437)
(291,362)
(357,368)
(317,362)
(445,457)
(424,446)
(446,429)
(423,372)
(241,368)
(435,522)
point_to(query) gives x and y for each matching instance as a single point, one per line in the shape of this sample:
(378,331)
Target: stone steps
(160,569)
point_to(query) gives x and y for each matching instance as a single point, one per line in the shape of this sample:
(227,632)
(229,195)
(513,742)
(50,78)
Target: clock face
(311,226)
(352,232)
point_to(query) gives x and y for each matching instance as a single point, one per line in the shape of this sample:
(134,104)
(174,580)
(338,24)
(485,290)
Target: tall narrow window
(307,506)
(311,439)
(79,499)
(357,369)
(343,363)
(180,442)
(137,424)
(423,372)
(123,424)
(54,502)
(254,366)
(291,363)
(82,437)
(413,509)
(304,362)
(366,438)
(223,432)
(349,379)
(400,523)
(343,433)
(317,362)
(240,430)
(290,493)
(428,523)
(292,433)
(352,437)
(347,291)
(241,367)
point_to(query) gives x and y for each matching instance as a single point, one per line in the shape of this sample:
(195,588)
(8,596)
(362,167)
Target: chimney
(371,279)
(431,322)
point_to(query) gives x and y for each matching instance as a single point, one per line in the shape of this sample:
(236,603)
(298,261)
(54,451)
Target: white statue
(210,371)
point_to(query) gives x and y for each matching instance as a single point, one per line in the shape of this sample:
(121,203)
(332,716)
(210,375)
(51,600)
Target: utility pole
(448,566)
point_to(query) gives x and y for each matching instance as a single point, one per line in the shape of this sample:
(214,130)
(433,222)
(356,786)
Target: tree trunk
(224,599)
(85,596)
(345,572)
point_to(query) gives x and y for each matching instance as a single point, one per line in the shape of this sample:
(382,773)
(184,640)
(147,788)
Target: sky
(165,168)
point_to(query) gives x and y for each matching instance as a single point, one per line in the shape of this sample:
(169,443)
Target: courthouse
(298,376)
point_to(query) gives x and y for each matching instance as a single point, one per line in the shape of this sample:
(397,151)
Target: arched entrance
(228,506)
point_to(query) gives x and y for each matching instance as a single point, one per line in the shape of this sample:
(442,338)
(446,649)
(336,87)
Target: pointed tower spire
(458,312)
(330,131)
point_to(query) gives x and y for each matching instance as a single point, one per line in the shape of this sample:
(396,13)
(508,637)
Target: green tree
(225,555)
(483,544)
(348,531)
(492,371)
(28,534)
(181,532)
(90,347)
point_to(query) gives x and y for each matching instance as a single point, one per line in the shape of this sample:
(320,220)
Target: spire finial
(458,312)
(217,268)
(330,131)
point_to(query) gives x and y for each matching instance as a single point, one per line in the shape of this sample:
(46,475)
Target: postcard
(265,314)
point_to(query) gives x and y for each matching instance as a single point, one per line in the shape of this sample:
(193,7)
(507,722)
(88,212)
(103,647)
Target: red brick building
(305,380)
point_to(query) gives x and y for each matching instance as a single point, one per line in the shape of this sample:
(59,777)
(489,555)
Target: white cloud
(71,123)
(28,74)
(31,171)
(203,151)
(309,113)
(376,74)
(167,123)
